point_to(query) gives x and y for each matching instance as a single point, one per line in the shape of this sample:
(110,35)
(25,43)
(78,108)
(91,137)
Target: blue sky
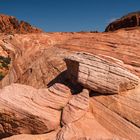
(68,15)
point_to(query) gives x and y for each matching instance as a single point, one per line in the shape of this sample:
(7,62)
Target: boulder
(26,110)
(99,74)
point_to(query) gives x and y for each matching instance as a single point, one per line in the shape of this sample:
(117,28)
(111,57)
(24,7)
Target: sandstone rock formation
(99,74)
(42,62)
(10,25)
(30,111)
(86,128)
(50,103)
(27,110)
(38,58)
(76,108)
(48,136)
(130,20)
(125,107)
(118,113)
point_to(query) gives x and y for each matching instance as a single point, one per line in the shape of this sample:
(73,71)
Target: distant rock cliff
(9,24)
(129,20)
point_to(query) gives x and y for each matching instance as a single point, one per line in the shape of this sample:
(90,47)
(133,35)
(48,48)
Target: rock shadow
(95,93)
(63,79)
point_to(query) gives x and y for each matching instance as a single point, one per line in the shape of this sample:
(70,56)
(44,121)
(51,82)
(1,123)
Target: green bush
(1,75)
(5,61)
(4,64)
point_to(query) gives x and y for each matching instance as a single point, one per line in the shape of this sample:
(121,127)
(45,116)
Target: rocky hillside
(128,21)
(71,86)
(10,25)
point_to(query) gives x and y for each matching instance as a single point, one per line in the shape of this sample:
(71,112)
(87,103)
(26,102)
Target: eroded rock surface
(76,108)
(99,74)
(38,60)
(115,115)
(128,21)
(24,109)
(10,25)
(86,128)
(48,136)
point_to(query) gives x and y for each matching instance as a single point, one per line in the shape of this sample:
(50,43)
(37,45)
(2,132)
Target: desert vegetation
(4,66)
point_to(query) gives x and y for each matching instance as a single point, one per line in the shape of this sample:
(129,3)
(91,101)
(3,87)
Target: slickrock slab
(24,109)
(126,105)
(38,58)
(86,128)
(114,121)
(100,74)
(36,68)
(48,136)
(76,108)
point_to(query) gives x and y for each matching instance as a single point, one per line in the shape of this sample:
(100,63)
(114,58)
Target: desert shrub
(1,75)
(5,61)
(4,66)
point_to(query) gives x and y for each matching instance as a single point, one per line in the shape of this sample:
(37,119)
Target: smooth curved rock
(113,119)
(127,105)
(76,108)
(38,58)
(86,128)
(48,136)
(26,110)
(100,74)
(35,64)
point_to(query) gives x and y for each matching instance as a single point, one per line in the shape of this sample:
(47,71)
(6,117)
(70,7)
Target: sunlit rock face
(99,74)
(38,58)
(24,109)
(127,21)
(10,25)
(38,100)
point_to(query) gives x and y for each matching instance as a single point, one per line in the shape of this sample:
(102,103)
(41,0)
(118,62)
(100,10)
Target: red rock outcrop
(10,25)
(38,60)
(128,21)
(26,110)
(112,109)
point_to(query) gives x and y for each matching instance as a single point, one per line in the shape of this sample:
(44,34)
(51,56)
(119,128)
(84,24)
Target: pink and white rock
(24,109)
(76,108)
(85,128)
(99,74)
(48,136)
